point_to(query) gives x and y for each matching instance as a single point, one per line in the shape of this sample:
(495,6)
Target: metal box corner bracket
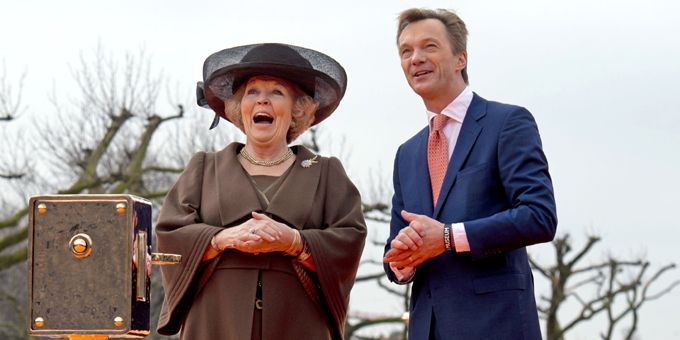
(89,265)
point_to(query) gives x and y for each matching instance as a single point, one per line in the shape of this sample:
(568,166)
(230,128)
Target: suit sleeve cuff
(460,239)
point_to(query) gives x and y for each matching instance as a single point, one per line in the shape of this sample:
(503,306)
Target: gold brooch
(308,162)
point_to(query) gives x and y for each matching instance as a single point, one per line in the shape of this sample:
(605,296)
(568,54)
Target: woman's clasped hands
(260,234)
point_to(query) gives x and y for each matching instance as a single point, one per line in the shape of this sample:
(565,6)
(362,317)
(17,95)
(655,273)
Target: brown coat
(215,192)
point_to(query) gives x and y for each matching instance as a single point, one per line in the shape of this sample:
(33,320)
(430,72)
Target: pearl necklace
(249,158)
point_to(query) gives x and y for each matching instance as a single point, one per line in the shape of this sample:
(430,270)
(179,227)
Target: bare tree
(615,288)
(10,108)
(10,96)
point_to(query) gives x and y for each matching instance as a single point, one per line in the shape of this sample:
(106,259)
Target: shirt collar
(457,108)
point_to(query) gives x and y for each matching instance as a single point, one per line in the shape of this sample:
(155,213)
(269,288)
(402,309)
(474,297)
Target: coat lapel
(238,197)
(294,198)
(466,139)
(235,192)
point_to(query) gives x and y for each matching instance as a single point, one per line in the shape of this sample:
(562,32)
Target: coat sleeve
(180,231)
(337,245)
(523,170)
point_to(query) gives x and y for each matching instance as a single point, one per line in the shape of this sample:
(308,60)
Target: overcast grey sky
(601,78)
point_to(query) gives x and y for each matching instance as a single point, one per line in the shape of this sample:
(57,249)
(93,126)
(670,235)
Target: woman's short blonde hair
(303,112)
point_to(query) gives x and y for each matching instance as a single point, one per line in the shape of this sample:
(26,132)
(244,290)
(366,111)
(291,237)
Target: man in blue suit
(471,191)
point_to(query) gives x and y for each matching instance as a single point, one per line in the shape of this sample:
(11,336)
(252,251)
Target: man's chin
(423,90)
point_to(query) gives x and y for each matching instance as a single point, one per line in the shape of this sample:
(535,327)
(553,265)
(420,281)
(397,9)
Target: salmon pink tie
(437,155)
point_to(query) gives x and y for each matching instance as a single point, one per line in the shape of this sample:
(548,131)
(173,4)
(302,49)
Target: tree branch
(134,170)
(351,329)
(12,176)
(379,206)
(377,219)
(14,219)
(591,242)
(656,276)
(89,175)
(18,255)
(162,169)
(584,282)
(180,114)
(369,277)
(537,267)
(152,194)
(606,264)
(390,290)
(10,103)
(14,237)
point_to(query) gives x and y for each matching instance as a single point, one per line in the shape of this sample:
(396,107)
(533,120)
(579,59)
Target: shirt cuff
(460,239)
(404,275)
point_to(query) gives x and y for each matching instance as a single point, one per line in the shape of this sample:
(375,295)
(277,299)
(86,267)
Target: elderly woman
(271,235)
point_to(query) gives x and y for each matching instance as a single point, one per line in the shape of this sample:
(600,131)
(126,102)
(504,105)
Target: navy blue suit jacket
(497,184)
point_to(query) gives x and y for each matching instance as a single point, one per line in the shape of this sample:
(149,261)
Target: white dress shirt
(456,110)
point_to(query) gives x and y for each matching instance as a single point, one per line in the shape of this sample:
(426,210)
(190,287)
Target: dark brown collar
(238,198)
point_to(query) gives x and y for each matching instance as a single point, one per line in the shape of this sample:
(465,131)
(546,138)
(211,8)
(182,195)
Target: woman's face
(266,110)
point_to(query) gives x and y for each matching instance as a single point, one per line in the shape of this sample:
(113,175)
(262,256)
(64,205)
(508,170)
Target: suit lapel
(469,132)
(422,173)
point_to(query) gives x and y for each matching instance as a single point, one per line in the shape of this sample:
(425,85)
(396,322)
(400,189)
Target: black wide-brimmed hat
(317,74)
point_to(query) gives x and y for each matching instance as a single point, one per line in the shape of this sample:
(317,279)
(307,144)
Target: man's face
(427,59)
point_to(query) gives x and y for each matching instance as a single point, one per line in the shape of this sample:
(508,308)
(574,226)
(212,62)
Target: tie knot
(439,121)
